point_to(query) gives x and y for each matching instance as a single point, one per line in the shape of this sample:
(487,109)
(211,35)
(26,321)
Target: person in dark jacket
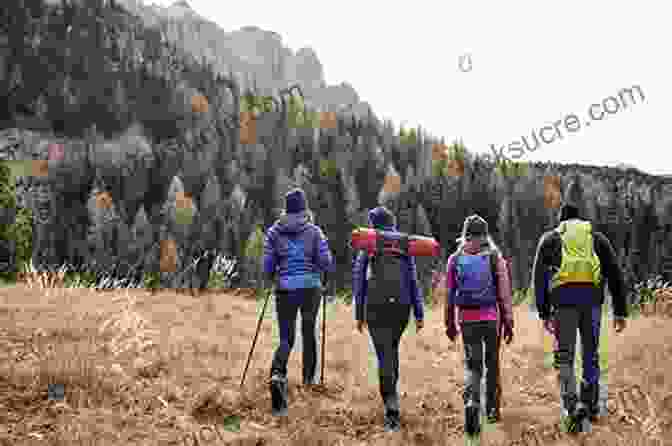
(579,260)
(298,251)
(387,316)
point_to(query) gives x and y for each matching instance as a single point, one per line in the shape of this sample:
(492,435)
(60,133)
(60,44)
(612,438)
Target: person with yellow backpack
(579,259)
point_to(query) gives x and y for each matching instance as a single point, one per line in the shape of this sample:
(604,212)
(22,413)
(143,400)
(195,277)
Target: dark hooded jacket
(298,251)
(548,259)
(410,291)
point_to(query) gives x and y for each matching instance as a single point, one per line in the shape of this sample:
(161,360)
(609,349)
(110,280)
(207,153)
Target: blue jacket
(298,251)
(410,292)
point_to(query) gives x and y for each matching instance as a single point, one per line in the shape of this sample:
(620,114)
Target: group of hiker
(572,264)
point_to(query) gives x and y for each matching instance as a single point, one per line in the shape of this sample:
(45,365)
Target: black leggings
(387,324)
(477,337)
(287,305)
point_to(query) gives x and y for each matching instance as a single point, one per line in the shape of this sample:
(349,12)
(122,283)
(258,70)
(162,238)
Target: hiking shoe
(493,416)
(472,421)
(582,413)
(278,396)
(392,423)
(574,422)
(590,398)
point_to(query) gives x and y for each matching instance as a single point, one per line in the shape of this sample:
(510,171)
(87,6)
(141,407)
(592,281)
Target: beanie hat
(295,201)
(381,218)
(474,226)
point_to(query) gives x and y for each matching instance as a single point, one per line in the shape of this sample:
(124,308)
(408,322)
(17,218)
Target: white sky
(533,63)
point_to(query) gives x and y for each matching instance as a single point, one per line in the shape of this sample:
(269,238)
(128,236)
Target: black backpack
(386,271)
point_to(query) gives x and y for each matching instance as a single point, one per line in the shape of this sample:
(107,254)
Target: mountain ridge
(257,57)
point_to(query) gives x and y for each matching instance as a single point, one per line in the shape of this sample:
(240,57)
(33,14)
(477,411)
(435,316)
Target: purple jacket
(410,291)
(298,251)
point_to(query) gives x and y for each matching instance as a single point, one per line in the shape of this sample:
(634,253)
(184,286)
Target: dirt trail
(179,361)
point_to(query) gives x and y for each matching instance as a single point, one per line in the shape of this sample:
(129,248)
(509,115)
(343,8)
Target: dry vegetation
(161,369)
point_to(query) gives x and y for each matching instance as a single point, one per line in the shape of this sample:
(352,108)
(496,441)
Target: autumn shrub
(328,168)
(223,273)
(21,230)
(254,249)
(647,292)
(521,296)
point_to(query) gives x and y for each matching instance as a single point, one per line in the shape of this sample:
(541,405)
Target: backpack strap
(404,244)
(380,243)
(493,267)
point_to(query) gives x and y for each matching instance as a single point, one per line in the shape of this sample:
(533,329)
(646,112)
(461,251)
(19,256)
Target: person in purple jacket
(384,304)
(298,251)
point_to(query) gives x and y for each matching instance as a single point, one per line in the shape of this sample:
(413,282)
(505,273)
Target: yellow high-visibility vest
(580,263)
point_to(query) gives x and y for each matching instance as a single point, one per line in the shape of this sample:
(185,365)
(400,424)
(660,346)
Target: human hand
(508,332)
(419,325)
(361,325)
(451,332)
(551,326)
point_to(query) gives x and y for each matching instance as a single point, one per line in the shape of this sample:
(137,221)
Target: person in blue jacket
(298,251)
(384,304)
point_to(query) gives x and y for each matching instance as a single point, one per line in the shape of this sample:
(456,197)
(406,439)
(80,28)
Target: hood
(293,223)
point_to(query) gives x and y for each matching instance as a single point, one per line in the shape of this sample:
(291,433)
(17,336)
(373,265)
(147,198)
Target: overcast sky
(532,65)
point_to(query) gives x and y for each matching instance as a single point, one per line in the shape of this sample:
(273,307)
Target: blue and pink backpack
(476,280)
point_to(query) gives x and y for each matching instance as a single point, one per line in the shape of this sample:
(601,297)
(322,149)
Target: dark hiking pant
(288,304)
(387,323)
(480,343)
(586,318)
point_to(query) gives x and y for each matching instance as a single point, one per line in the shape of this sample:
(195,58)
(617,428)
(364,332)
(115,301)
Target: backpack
(385,270)
(302,251)
(579,263)
(476,280)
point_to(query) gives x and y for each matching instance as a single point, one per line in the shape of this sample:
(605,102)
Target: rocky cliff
(256,57)
(134,155)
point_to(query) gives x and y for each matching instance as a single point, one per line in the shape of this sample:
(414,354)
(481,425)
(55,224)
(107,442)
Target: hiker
(298,250)
(477,283)
(385,287)
(578,259)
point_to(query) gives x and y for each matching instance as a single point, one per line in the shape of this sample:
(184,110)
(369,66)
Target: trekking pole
(500,332)
(324,334)
(254,342)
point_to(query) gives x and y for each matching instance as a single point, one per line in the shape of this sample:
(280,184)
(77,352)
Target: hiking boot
(577,421)
(392,422)
(472,421)
(581,415)
(569,414)
(279,395)
(590,398)
(493,415)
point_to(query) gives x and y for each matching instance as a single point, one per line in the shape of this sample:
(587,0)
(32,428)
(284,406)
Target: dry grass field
(164,369)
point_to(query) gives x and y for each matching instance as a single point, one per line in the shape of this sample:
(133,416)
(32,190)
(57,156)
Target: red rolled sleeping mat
(412,245)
